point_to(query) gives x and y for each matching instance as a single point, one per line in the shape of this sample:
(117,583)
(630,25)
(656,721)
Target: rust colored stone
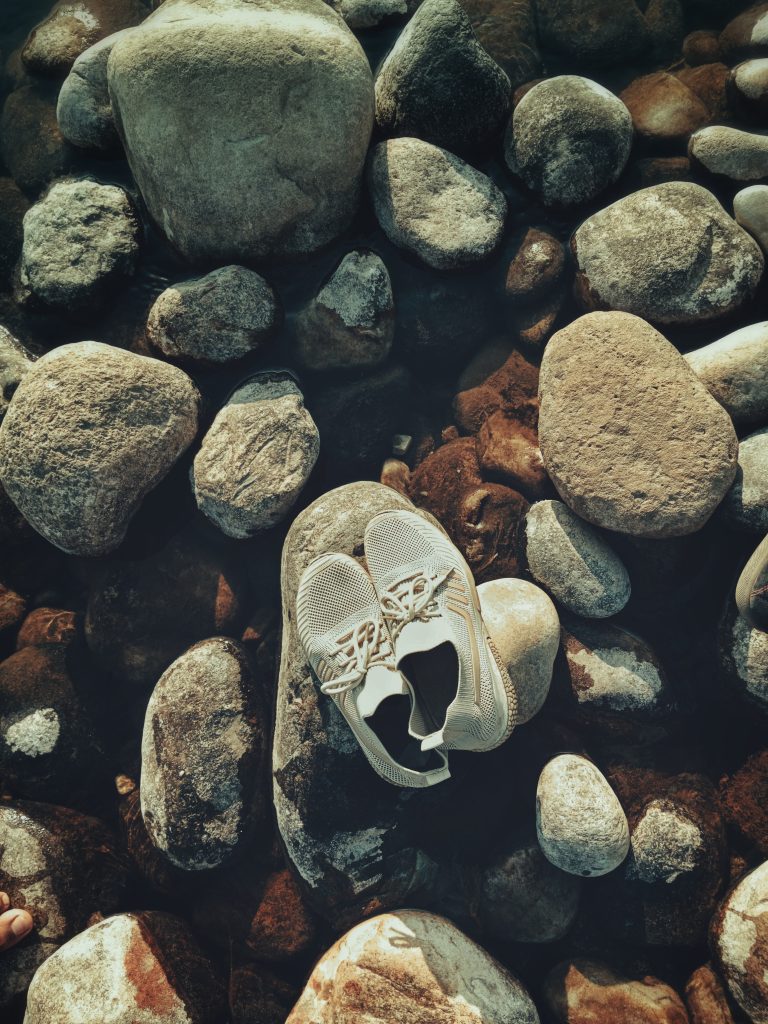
(585,991)
(48,626)
(513,387)
(510,451)
(282,926)
(13,608)
(710,83)
(744,796)
(706,999)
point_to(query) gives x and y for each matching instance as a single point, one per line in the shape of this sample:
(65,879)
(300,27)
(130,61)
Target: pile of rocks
(501,261)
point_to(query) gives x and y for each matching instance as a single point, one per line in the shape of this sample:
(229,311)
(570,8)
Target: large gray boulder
(246,124)
(89,432)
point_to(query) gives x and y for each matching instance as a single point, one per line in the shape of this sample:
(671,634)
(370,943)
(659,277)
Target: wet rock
(80,240)
(663,109)
(89,432)
(743,655)
(202,756)
(667,889)
(745,506)
(582,991)
(605,369)
(482,519)
(135,626)
(593,32)
(13,206)
(573,562)
(509,451)
(148,963)
(439,84)
(750,208)
(524,898)
(84,109)
(508,32)
(580,824)
(669,253)
(734,370)
(62,867)
(536,267)
(49,626)
(569,138)
(218,318)
(416,964)
(48,750)
(31,144)
(294,117)
(371,13)
(612,683)
(257,456)
(338,821)
(53,46)
(746,35)
(15,362)
(433,204)
(739,939)
(748,85)
(701,47)
(705,998)
(710,83)
(525,628)
(513,388)
(357,419)
(735,154)
(743,798)
(351,321)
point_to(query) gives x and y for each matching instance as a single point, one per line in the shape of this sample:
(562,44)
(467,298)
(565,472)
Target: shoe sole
(510,695)
(746,584)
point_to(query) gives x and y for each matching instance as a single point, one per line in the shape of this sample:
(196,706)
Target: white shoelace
(356,652)
(411,599)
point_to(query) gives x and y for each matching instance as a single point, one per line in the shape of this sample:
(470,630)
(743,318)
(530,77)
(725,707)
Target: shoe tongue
(381,682)
(421,635)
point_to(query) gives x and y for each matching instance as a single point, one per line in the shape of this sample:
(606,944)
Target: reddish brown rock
(664,109)
(396,474)
(706,999)
(702,47)
(13,608)
(744,796)
(143,614)
(536,266)
(482,519)
(746,35)
(49,626)
(513,387)
(710,83)
(510,452)
(588,992)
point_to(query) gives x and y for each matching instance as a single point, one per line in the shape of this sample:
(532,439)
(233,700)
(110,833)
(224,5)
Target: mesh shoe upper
(429,600)
(349,648)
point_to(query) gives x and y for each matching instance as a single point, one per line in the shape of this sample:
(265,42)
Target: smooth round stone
(15,362)
(626,451)
(663,108)
(419,960)
(256,457)
(668,253)
(666,843)
(525,898)
(569,138)
(84,109)
(746,35)
(80,240)
(582,991)
(439,84)
(580,824)
(147,965)
(701,47)
(215,96)
(89,432)
(536,267)
(351,321)
(202,756)
(573,562)
(53,46)
(730,152)
(525,628)
(433,204)
(706,999)
(750,208)
(740,939)
(745,506)
(218,318)
(749,86)
(734,370)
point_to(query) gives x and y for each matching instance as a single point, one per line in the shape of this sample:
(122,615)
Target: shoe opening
(434,676)
(390,723)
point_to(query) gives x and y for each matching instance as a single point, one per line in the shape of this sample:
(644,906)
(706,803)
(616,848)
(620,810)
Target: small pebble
(748,82)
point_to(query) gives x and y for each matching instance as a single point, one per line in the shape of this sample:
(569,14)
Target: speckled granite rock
(741,943)
(734,370)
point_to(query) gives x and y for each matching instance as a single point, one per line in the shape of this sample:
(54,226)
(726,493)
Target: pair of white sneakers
(403,650)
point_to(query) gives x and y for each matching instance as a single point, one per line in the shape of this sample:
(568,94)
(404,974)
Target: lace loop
(411,599)
(355,653)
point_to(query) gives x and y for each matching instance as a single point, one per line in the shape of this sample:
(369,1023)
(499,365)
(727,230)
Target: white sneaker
(463,696)
(350,650)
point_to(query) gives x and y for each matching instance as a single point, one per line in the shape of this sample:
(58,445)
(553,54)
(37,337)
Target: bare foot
(14,924)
